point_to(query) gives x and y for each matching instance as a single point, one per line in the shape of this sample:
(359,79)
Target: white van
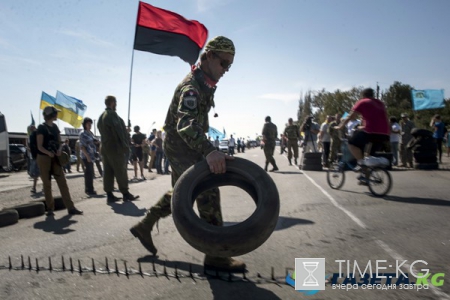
(4,143)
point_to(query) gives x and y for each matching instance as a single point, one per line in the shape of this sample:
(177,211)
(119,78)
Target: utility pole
(378,91)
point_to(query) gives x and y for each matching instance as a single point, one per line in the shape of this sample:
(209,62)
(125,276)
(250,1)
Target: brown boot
(224,264)
(143,233)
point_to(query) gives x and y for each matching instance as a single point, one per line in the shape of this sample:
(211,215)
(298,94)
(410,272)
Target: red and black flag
(164,32)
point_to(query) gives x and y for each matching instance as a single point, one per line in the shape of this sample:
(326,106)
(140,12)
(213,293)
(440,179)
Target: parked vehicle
(17,157)
(4,143)
(223,146)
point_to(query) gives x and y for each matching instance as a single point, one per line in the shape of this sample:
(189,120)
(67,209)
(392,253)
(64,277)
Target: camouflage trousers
(208,203)
(292,144)
(269,149)
(335,148)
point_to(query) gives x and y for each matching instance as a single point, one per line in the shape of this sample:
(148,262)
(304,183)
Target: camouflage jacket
(187,121)
(115,138)
(406,131)
(270,132)
(292,132)
(336,134)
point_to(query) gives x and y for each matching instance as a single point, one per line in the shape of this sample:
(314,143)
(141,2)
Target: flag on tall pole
(72,109)
(47,100)
(164,32)
(427,99)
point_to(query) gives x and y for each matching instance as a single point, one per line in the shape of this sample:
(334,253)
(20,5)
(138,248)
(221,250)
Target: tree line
(397,99)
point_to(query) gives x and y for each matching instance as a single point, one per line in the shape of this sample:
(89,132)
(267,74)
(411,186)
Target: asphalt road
(315,222)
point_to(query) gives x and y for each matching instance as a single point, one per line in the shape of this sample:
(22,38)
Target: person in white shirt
(395,139)
(217,143)
(231,145)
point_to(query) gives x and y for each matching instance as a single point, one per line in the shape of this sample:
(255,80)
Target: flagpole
(129,91)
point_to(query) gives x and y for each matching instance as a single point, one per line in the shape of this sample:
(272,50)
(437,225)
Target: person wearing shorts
(137,141)
(374,128)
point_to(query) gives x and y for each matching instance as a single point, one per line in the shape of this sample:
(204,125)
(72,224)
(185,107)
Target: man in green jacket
(115,147)
(292,133)
(186,144)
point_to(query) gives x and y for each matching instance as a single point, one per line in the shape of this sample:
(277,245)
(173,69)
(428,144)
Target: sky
(283,48)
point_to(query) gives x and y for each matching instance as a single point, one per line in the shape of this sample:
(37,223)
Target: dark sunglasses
(225,64)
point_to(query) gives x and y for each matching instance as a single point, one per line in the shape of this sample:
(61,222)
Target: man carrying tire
(186,144)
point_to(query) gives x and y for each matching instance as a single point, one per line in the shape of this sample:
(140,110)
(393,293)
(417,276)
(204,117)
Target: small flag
(72,109)
(32,119)
(164,32)
(427,99)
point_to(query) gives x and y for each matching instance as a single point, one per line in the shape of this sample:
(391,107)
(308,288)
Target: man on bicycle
(374,129)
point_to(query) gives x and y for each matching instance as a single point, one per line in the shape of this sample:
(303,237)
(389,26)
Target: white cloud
(205,5)
(283,97)
(86,36)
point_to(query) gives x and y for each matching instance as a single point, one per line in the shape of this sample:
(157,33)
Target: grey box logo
(310,274)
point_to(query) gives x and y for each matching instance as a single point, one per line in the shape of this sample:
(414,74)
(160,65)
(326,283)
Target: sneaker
(74,211)
(129,197)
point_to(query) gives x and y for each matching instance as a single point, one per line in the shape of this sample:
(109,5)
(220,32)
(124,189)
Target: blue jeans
(158,162)
(394,150)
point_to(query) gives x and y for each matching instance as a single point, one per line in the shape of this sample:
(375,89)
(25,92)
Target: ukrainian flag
(47,100)
(72,109)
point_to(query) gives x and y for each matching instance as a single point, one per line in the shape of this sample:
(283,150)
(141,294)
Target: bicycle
(374,175)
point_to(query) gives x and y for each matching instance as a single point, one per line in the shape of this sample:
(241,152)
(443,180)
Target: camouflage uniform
(186,143)
(114,149)
(336,136)
(292,133)
(405,153)
(270,132)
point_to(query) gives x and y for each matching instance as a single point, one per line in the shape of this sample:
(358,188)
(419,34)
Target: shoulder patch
(190,99)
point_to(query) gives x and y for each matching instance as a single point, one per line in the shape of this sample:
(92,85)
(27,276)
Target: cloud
(283,97)
(205,5)
(4,43)
(86,36)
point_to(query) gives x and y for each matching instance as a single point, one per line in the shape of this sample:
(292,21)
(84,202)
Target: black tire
(8,217)
(312,167)
(430,147)
(312,161)
(335,177)
(59,203)
(421,132)
(30,210)
(432,166)
(232,240)
(380,182)
(420,155)
(426,160)
(312,155)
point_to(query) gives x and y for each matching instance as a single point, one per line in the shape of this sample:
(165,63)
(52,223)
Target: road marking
(383,245)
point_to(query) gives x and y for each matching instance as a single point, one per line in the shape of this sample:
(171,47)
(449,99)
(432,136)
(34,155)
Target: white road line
(383,245)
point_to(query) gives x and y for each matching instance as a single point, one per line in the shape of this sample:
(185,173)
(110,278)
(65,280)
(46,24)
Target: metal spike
(243,275)
(176,271)
(50,268)
(140,269)
(258,275)
(29,263)
(190,270)
(126,269)
(37,266)
(79,267)
(22,263)
(165,270)
(154,268)
(273,274)
(117,268)
(63,263)
(10,264)
(106,262)
(93,267)
(71,264)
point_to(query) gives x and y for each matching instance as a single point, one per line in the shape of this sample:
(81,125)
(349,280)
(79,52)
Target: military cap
(220,44)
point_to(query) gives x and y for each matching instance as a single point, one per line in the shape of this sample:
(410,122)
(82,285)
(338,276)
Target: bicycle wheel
(336,176)
(380,182)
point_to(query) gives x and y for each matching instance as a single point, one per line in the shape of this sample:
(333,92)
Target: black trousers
(88,176)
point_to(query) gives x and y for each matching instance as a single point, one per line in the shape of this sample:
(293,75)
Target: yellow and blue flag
(72,109)
(47,100)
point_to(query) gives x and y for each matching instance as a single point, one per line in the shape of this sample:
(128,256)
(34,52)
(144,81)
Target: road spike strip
(10,264)
(106,263)
(93,267)
(79,267)
(63,263)
(272,273)
(37,265)
(22,263)
(243,275)
(50,268)
(165,270)
(117,268)
(29,263)
(154,268)
(71,264)
(190,270)
(176,271)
